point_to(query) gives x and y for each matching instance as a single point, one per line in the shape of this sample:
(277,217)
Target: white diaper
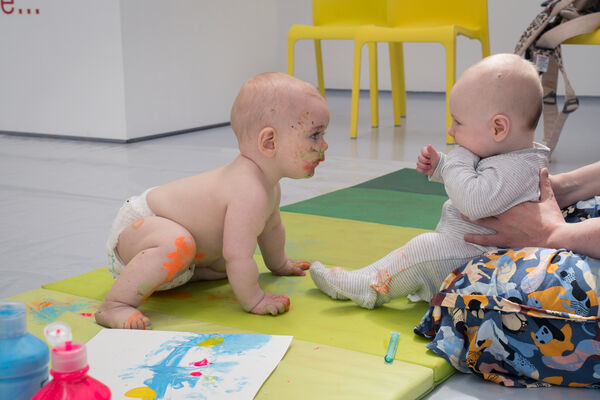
(133,209)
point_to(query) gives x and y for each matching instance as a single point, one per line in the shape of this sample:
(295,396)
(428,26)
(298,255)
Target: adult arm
(540,224)
(579,184)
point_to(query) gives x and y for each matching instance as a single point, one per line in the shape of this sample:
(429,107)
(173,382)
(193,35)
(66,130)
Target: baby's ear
(266,141)
(500,127)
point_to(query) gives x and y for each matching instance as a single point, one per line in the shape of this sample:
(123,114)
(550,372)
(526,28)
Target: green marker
(391,350)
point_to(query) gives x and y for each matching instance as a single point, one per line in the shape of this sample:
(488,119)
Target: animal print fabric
(524,317)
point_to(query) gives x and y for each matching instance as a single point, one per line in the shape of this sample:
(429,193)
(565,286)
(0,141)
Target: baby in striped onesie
(495,106)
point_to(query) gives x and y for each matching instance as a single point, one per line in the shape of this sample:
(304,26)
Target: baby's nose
(324,146)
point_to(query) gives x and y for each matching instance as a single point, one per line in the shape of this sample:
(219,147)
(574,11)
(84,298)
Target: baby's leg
(419,267)
(155,251)
(322,275)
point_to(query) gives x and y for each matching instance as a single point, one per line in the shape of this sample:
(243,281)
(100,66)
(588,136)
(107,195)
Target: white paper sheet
(182,365)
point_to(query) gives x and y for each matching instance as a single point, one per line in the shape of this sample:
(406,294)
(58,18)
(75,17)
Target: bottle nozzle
(58,333)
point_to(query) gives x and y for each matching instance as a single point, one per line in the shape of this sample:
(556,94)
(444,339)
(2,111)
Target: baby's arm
(428,160)
(272,242)
(479,191)
(244,220)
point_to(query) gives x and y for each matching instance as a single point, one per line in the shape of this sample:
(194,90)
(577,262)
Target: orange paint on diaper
(183,252)
(137,223)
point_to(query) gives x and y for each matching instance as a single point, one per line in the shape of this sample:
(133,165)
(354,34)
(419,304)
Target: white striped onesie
(477,188)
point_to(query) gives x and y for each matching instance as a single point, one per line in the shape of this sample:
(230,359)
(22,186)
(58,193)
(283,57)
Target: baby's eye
(316,135)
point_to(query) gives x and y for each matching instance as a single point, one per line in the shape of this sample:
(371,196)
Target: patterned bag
(540,43)
(522,317)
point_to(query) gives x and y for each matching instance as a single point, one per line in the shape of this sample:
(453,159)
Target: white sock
(318,273)
(419,267)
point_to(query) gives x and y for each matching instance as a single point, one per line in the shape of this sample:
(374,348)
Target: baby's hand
(272,304)
(293,267)
(428,160)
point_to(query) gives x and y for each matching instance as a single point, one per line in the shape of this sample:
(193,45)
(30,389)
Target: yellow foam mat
(308,370)
(313,316)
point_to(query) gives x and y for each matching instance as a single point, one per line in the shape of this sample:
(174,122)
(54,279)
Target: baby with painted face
(207,226)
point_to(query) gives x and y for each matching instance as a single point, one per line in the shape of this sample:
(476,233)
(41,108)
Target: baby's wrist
(257,299)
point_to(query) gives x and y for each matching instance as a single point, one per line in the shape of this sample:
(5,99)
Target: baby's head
(282,118)
(495,105)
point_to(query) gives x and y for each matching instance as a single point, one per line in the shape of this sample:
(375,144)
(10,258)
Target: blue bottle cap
(13,321)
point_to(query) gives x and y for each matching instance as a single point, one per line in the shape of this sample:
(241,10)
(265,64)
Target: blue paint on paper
(169,374)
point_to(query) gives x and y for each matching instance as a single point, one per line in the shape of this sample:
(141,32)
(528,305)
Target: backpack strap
(578,26)
(553,120)
(540,23)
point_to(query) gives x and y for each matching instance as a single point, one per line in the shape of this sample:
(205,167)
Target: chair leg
(397,80)
(290,55)
(373,84)
(485,46)
(450,48)
(319,59)
(355,87)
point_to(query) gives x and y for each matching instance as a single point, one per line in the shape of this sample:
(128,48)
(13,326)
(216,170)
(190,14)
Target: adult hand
(528,224)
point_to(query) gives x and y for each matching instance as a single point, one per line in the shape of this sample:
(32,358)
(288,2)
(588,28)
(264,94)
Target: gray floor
(58,197)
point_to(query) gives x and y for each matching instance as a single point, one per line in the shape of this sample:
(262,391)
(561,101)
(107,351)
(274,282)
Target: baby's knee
(181,253)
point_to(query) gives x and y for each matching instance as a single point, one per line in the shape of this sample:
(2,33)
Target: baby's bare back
(199,203)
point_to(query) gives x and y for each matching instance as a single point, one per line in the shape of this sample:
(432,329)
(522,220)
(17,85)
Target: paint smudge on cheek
(180,258)
(137,223)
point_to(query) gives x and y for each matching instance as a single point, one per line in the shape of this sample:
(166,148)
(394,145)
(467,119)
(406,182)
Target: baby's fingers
(300,264)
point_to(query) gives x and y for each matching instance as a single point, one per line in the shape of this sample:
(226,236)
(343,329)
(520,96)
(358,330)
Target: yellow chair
(586,38)
(439,21)
(339,20)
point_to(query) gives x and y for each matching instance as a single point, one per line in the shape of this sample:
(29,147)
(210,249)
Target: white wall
(425,63)
(62,69)
(185,60)
(123,69)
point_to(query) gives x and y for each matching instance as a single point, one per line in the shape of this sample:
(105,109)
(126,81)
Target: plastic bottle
(23,357)
(69,369)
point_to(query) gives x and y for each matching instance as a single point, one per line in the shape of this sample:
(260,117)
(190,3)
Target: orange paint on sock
(382,286)
(137,223)
(183,252)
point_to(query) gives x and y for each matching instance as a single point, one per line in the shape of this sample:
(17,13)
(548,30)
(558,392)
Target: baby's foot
(355,286)
(121,316)
(318,273)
